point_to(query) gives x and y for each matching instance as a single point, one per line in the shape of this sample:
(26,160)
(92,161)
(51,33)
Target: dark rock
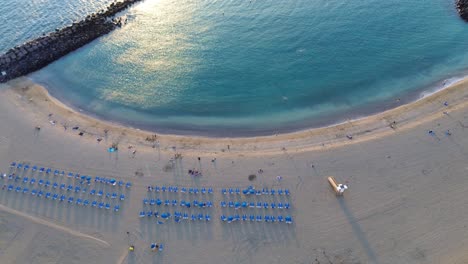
(38,53)
(462,8)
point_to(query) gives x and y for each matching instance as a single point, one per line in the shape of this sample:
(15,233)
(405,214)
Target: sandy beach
(405,202)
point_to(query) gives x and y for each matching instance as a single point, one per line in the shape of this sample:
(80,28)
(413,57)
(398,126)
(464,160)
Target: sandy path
(52,225)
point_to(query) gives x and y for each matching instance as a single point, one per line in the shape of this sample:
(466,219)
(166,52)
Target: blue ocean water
(248,67)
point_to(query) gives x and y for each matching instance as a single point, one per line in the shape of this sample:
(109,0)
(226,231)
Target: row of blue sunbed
(70,188)
(84,178)
(252,191)
(62,198)
(174,202)
(245,204)
(176,189)
(178,216)
(257,218)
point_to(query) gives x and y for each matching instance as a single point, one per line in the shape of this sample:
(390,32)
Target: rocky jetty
(38,53)
(462,8)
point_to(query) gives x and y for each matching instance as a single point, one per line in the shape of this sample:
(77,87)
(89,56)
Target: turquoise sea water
(248,67)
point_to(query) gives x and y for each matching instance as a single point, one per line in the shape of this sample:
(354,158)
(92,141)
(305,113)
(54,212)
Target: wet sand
(406,195)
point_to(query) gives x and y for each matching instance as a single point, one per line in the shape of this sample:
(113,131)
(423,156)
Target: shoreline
(210,131)
(370,127)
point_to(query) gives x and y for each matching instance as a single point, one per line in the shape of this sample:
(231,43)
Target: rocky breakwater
(38,53)
(462,8)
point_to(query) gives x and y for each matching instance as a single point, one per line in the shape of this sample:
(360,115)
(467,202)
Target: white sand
(405,204)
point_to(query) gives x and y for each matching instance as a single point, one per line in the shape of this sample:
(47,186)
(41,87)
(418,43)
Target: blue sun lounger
(286,206)
(107,206)
(48,195)
(79,201)
(41,169)
(116,208)
(100,205)
(288,219)
(142,214)
(62,198)
(26,167)
(13,164)
(100,193)
(10,187)
(244,217)
(265,205)
(55,185)
(280,218)
(85,203)
(25,179)
(34,168)
(286,192)
(223,218)
(207,217)
(210,190)
(114,196)
(230,219)
(55,196)
(128,185)
(18,189)
(165,215)
(48,171)
(25,190)
(70,199)
(94,203)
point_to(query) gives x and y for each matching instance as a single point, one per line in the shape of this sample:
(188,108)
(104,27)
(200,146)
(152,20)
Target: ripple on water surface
(257,65)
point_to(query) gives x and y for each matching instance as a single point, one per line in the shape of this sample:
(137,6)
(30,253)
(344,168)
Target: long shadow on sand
(361,236)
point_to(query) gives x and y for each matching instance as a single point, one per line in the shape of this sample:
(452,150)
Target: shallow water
(231,67)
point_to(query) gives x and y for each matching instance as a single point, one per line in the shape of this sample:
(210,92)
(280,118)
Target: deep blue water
(245,67)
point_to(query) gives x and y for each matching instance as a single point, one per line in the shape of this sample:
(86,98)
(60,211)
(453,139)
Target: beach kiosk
(337,187)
